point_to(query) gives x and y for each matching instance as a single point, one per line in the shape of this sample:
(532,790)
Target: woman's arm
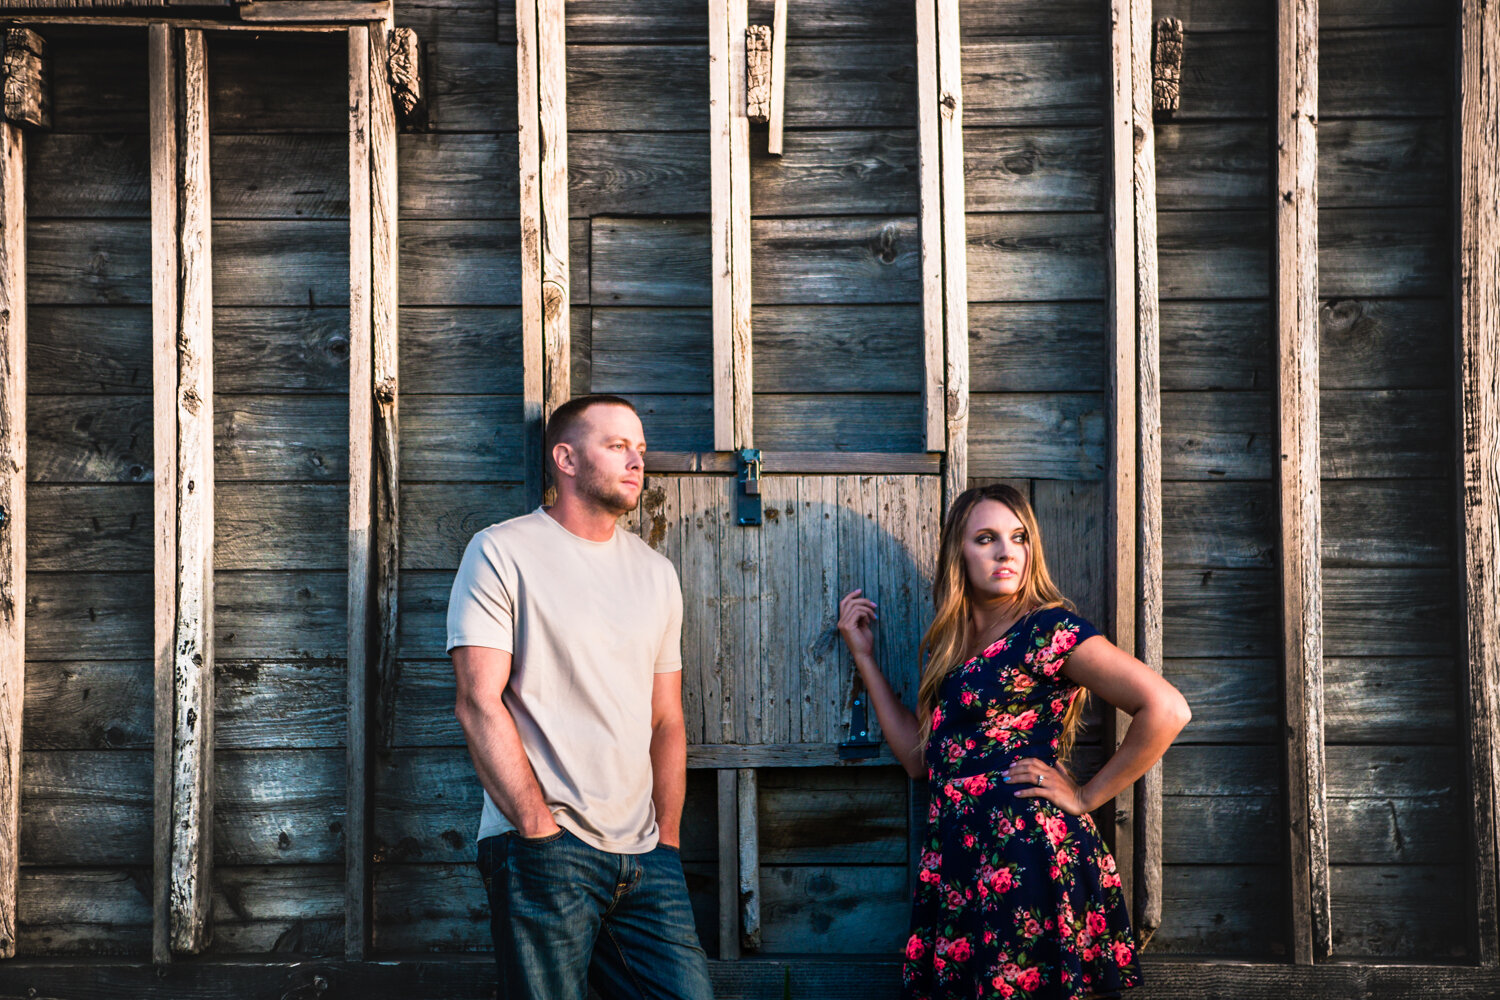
(1158,712)
(897,722)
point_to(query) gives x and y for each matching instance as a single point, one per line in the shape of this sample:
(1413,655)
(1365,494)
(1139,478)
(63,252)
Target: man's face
(607,457)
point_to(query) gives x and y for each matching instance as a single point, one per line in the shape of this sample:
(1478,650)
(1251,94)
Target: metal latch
(748,506)
(859,745)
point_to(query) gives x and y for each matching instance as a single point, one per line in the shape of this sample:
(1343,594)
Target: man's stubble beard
(596,486)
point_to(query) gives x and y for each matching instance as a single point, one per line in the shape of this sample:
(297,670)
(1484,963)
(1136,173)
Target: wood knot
(949,104)
(191,401)
(385,390)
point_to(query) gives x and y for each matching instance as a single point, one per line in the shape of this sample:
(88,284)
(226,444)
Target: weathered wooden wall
(838,365)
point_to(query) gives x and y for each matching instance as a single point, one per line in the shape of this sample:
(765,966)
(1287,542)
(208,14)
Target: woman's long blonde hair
(949,636)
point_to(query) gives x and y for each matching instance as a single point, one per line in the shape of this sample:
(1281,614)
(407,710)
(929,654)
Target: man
(566,642)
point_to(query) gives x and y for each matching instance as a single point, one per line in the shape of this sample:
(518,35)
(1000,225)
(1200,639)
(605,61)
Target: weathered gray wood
(832,816)
(1234,700)
(1478,312)
(1037,347)
(1387,73)
(951,98)
(1214,255)
(1390,699)
(193,647)
(1382,344)
(1383,162)
(1385,434)
(1298,480)
(1210,525)
(1213,165)
(1382,252)
(749,860)
(1398,911)
(729,225)
(1365,614)
(1042,435)
(1042,169)
(835,909)
(930,222)
(1222,910)
(1034,81)
(729,911)
(1386,522)
(1215,345)
(13,509)
(315,11)
(1217,435)
(28,99)
(1219,613)
(776,110)
(758,73)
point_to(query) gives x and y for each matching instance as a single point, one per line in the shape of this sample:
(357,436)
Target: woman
(1017,895)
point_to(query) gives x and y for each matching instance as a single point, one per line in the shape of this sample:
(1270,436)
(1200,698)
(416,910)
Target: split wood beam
(182,364)
(542,89)
(374,472)
(729,856)
(1123,469)
(945,307)
(1478,310)
(406,77)
(729,224)
(1147,841)
(1299,473)
(1166,69)
(758,73)
(12,516)
(27,98)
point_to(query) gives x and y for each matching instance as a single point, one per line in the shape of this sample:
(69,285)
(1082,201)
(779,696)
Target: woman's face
(996,550)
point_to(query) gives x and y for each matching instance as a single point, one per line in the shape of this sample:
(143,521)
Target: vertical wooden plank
(361,500)
(749,860)
(778,602)
(870,521)
(743,587)
(12,517)
(850,550)
(700,590)
(810,611)
(1478,309)
(739,229)
(778,79)
(729,857)
(192,750)
(1148,790)
(552,86)
(721,216)
(162,73)
(723,715)
(1122,393)
(934,378)
(955,251)
(529,149)
(1296,207)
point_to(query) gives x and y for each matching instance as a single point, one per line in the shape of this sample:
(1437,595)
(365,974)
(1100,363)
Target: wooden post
(193,668)
(1148,634)
(778,79)
(1123,386)
(749,860)
(542,88)
(950,98)
(729,856)
(162,70)
(1478,308)
(12,516)
(729,153)
(361,501)
(934,375)
(1296,202)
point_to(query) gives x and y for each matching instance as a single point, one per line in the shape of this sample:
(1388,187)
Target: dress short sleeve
(1055,633)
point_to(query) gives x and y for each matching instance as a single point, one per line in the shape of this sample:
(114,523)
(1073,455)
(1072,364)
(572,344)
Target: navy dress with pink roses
(1015,898)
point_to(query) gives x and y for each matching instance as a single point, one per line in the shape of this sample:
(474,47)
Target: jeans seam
(624,962)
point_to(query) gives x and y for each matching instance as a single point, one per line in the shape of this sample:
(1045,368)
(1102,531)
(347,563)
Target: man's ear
(562,458)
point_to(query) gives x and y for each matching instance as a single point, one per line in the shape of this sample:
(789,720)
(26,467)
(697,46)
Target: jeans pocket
(538,841)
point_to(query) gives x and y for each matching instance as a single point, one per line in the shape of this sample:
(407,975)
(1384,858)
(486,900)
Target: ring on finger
(1039,778)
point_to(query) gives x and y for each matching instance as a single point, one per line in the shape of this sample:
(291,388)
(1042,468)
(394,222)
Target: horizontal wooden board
(81,175)
(1386,522)
(1220,613)
(832,816)
(1368,162)
(1378,699)
(1385,73)
(1225,830)
(1369,343)
(804,261)
(99,82)
(437,520)
(1034,81)
(280,704)
(1225,75)
(1217,435)
(280,615)
(1214,255)
(862,422)
(1033,347)
(1383,252)
(1385,434)
(424,701)
(88,528)
(834,909)
(1019,257)
(1210,165)
(298,438)
(1389,612)
(1040,435)
(1212,15)
(1399,911)
(84,911)
(1233,700)
(277,83)
(88,616)
(1394,805)
(452,438)
(88,262)
(278,909)
(1219,525)
(819,172)
(89,349)
(89,705)
(1020,169)
(1222,910)
(1216,345)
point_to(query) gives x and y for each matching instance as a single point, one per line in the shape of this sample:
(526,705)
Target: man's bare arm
(668,755)
(494,744)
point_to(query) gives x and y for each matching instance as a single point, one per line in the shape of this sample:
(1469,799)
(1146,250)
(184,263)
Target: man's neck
(586,520)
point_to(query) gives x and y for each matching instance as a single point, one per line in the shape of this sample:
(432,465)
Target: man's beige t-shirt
(588,625)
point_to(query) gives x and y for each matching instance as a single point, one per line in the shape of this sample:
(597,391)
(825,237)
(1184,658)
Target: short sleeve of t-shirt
(670,656)
(481,611)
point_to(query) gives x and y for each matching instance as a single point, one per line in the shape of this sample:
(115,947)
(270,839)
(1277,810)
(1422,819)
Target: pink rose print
(970,840)
(976,785)
(914,947)
(1024,682)
(937,717)
(951,792)
(1029,979)
(959,950)
(1096,922)
(1122,953)
(1057,706)
(1032,927)
(968,697)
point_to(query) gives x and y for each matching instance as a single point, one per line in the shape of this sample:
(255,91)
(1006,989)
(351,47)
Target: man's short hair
(567,416)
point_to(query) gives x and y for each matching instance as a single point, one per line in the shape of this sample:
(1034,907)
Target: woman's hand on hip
(1040,781)
(856,613)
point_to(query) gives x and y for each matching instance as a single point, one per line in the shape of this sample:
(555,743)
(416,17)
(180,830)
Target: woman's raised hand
(855,615)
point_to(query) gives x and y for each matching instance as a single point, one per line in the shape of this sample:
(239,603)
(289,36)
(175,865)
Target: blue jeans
(565,916)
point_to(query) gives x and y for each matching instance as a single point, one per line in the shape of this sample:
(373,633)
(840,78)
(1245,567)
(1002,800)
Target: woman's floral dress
(1015,898)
